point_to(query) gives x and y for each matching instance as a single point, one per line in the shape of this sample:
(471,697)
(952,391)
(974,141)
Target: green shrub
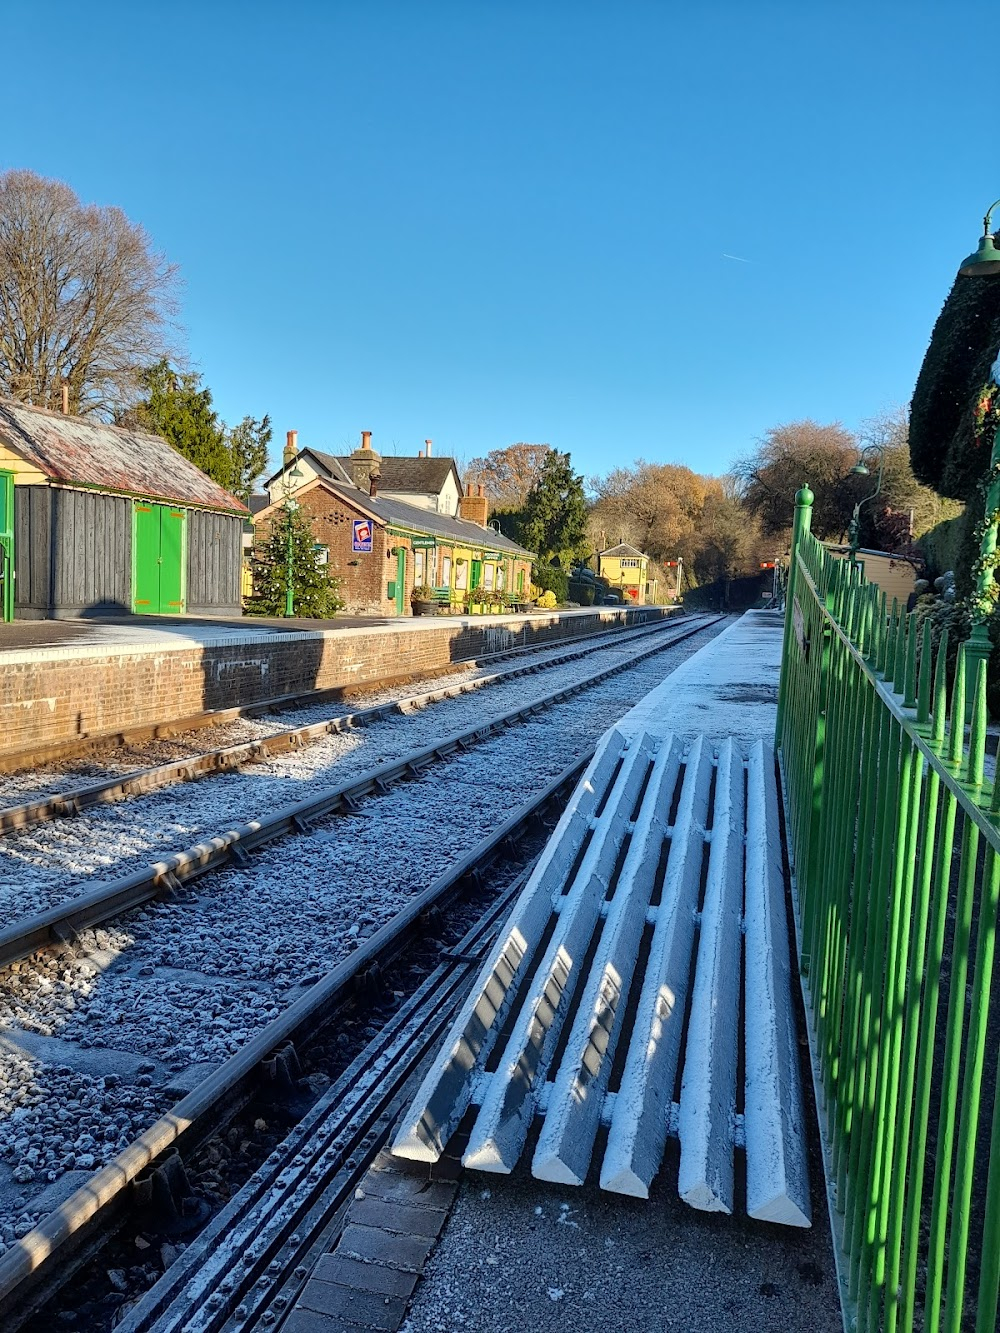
(551,579)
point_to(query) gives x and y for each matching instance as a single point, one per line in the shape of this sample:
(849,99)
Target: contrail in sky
(738,259)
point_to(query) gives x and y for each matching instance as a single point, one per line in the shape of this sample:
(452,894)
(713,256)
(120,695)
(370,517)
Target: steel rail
(60,924)
(23,760)
(233,1082)
(224,759)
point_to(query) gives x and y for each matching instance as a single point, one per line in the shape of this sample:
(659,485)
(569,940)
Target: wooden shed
(99,520)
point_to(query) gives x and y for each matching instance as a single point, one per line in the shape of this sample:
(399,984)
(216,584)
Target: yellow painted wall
(895,577)
(24,473)
(629,577)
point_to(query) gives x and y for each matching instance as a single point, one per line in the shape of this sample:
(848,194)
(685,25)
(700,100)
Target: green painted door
(146,559)
(6,546)
(158,560)
(171,561)
(400,580)
(477,574)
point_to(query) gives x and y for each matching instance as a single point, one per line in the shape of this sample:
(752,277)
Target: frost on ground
(181,983)
(45,864)
(114,761)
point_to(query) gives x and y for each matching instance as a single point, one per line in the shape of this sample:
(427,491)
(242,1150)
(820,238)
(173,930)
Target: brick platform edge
(364,1284)
(56,696)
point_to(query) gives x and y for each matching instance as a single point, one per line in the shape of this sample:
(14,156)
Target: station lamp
(985,263)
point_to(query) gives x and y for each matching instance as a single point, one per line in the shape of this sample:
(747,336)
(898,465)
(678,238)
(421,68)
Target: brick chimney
(474,508)
(364,462)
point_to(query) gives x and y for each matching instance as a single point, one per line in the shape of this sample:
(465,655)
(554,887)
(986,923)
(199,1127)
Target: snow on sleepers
(638,1133)
(708,1090)
(777,1175)
(501,1127)
(445,1092)
(570,1128)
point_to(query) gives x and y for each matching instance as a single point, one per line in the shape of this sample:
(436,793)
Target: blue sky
(497,220)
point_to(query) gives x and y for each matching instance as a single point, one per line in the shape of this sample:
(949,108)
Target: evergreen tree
(553,519)
(248,444)
(175,406)
(314,590)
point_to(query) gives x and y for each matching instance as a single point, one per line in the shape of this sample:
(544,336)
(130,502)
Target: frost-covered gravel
(113,761)
(189,982)
(46,863)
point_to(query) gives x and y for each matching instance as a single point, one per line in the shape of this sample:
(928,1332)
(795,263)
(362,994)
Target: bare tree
(84,298)
(508,474)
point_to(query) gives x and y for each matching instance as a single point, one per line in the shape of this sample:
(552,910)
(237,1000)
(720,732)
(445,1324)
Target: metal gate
(158,560)
(6,546)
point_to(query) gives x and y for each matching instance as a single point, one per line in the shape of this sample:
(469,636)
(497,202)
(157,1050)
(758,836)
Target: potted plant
(422,600)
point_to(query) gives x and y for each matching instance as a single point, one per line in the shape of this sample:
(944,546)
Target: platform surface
(90,636)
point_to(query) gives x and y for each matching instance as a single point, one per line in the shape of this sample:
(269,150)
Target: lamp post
(288,488)
(861,469)
(985,263)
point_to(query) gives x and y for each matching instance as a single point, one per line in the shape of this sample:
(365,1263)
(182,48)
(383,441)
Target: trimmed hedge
(943,451)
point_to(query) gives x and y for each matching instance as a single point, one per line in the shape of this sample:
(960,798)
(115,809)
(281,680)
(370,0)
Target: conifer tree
(553,520)
(175,406)
(314,589)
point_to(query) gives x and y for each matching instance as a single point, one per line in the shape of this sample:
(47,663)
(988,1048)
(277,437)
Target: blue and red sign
(362,535)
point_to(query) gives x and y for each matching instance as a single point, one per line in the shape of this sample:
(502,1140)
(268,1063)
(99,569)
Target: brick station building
(381,546)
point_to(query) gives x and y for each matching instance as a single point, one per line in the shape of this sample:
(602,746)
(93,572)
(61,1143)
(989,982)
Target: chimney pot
(480,491)
(366,439)
(428,443)
(420,454)
(292,441)
(468,488)
(65,400)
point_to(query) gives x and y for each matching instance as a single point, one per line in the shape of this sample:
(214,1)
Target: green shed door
(6,546)
(146,560)
(477,574)
(158,560)
(171,561)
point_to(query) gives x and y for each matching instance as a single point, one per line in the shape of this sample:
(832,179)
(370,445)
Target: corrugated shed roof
(108,458)
(402,515)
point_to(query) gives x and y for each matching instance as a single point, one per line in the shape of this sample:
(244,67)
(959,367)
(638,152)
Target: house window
(418,568)
(489,572)
(461,573)
(629,563)
(500,577)
(446,571)
(322,554)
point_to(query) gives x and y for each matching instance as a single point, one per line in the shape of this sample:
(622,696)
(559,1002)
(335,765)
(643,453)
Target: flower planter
(423,608)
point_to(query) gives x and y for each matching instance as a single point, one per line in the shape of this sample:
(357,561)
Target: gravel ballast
(177,984)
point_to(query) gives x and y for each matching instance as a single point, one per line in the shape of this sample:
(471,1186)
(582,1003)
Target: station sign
(768,564)
(423,543)
(362,538)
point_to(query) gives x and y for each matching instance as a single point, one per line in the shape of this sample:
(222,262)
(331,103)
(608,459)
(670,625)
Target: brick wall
(54,696)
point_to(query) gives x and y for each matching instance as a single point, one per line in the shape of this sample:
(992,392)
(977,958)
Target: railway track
(358,1109)
(169,735)
(40,871)
(281,986)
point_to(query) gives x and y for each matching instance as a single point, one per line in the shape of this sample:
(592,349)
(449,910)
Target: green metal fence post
(802,524)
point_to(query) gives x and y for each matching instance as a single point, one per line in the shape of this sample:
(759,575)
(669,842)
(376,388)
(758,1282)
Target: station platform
(66,682)
(564,1217)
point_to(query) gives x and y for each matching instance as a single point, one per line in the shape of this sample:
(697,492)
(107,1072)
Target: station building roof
(624,549)
(408,476)
(398,513)
(74,451)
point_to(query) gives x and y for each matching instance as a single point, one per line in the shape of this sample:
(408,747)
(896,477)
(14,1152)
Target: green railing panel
(893,820)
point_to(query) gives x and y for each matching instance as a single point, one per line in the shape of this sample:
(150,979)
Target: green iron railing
(894,836)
